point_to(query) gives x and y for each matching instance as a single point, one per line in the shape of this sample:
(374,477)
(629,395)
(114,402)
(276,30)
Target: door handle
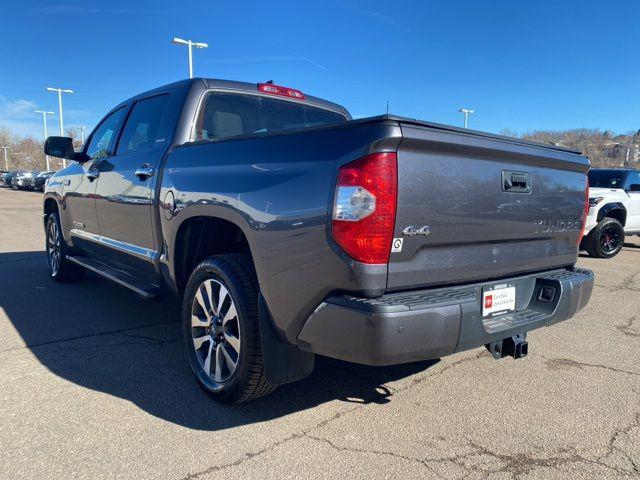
(144,172)
(92,174)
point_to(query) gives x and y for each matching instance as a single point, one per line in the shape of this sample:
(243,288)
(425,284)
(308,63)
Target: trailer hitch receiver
(515,346)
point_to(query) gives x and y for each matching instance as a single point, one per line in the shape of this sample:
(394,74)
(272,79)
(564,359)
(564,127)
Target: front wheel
(606,239)
(60,268)
(221,329)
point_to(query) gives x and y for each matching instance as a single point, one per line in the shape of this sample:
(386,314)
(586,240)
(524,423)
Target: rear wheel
(606,239)
(60,268)
(221,329)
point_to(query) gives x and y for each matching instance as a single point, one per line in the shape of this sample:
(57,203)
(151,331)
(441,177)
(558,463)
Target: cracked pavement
(95,384)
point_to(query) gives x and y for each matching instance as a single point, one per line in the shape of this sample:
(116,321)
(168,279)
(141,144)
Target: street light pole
(60,92)
(44,119)
(466,112)
(6,162)
(82,129)
(190,45)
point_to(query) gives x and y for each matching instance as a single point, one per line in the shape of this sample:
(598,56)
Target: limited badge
(396,246)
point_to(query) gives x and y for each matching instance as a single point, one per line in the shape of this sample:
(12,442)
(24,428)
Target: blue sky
(522,65)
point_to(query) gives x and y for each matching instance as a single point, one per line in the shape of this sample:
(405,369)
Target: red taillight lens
(282,91)
(585,212)
(364,211)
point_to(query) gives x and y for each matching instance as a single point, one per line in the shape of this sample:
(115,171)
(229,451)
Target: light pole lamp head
(179,41)
(59,90)
(201,45)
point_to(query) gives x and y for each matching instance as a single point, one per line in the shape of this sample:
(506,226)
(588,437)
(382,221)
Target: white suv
(614,210)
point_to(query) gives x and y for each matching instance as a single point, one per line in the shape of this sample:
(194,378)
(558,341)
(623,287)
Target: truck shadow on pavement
(102,337)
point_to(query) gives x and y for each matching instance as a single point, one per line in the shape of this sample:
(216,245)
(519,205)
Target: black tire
(606,239)
(236,274)
(63,271)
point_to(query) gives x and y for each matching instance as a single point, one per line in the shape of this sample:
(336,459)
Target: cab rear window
(225,115)
(606,178)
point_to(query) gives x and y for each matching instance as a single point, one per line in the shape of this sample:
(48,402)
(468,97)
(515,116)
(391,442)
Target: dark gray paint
(432,323)
(278,189)
(452,182)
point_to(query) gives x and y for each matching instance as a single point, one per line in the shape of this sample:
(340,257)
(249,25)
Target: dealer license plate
(498,299)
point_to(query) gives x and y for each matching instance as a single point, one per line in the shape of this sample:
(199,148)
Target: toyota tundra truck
(290,230)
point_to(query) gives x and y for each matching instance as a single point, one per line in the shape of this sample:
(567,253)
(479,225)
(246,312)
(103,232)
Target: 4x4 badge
(411,231)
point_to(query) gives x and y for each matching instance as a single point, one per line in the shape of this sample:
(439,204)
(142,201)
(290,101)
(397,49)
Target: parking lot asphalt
(94,384)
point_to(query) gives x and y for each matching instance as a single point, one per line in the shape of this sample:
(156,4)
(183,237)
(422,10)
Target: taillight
(282,91)
(364,210)
(585,212)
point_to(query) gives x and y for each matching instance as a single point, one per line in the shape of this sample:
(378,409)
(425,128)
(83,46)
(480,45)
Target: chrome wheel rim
(215,330)
(54,247)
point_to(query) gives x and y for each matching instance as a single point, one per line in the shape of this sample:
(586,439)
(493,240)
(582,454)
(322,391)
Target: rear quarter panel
(279,190)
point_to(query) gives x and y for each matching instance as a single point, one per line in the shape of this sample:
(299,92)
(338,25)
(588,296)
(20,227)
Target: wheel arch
(201,236)
(49,206)
(614,210)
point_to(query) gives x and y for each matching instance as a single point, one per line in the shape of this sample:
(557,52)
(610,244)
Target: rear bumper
(427,324)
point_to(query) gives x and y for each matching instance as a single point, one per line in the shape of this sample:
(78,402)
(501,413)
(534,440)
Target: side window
(142,129)
(101,139)
(633,179)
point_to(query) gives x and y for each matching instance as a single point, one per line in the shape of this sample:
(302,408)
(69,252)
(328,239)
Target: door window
(633,179)
(142,130)
(101,139)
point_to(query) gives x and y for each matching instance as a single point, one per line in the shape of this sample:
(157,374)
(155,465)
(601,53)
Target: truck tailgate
(473,207)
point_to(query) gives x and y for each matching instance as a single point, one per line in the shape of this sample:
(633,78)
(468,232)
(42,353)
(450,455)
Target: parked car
(9,177)
(289,230)
(40,180)
(25,180)
(614,210)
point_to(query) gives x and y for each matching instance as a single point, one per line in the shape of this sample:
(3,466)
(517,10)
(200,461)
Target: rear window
(225,115)
(606,178)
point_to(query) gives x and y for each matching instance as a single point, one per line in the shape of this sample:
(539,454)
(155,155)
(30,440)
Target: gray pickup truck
(288,229)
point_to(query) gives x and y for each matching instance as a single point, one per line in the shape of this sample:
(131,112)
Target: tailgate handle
(516,182)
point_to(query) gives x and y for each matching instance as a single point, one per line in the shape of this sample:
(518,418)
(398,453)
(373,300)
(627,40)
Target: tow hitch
(516,347)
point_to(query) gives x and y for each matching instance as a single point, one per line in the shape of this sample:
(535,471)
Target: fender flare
(607,209)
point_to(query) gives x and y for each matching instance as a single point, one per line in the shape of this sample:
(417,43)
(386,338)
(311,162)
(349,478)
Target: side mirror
(634,187)
(61,147)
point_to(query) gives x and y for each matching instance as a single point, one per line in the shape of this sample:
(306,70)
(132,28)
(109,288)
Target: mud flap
(282,361)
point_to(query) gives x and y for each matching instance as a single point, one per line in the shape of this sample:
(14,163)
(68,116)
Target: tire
(606,239)
(219,335)
(60,269)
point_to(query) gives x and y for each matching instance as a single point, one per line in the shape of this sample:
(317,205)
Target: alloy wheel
(54,247)
(215,330)
(610,239)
